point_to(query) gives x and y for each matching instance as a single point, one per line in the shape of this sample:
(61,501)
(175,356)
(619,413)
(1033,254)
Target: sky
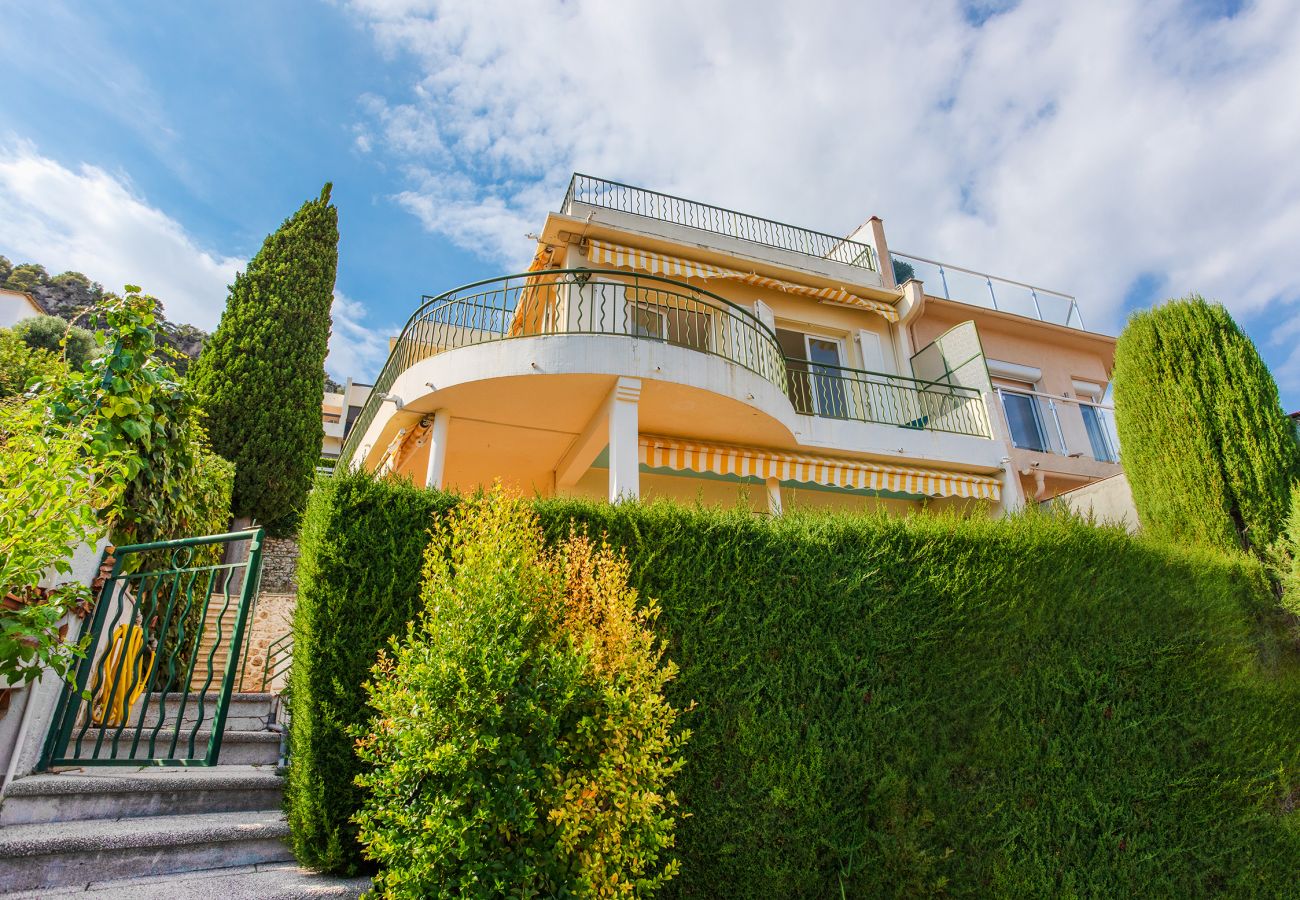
(1124,151)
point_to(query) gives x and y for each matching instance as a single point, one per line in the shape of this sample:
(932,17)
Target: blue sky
(1123,152)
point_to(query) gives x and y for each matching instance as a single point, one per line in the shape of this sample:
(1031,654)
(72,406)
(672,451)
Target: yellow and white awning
(722,459)
(618,256)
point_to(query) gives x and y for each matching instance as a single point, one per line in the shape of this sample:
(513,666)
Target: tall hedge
(261,375)
(1207,448)
(889,707)
(357,536)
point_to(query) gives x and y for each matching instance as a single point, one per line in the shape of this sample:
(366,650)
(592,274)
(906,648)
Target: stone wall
(280,565)
(272,619)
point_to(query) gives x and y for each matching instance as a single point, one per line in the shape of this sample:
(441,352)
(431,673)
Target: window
(816,385)
(1025,420)
(663,316)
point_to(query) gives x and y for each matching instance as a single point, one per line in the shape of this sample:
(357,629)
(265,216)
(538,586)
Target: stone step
(115,792)
(267,881)
(246,711)
(61,854)
(239,746)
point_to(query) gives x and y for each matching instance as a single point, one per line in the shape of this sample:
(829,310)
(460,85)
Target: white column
(624,437)
(774,496)
(1013,492)
(433,474)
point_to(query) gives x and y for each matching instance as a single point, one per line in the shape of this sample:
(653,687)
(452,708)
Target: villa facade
(658,346)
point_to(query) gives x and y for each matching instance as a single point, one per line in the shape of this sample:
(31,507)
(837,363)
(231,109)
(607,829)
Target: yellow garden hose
(122,675)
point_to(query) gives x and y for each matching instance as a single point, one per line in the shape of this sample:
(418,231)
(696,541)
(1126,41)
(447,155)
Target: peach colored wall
(1061,356)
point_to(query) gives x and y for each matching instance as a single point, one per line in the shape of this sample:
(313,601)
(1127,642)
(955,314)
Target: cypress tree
(261,375)
(1207,447)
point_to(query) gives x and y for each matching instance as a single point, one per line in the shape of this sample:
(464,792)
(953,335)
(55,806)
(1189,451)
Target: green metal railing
(163,655)
(576,301)
(838,392)
(279,659)
(754,229)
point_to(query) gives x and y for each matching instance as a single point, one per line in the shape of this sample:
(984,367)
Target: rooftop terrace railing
(981,289)
(717,220)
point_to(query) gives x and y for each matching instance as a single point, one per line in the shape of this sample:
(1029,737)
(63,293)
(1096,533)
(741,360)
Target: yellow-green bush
(928,706)
(521,744)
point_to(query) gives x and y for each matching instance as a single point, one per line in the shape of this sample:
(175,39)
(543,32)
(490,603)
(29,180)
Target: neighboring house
(663,347)
(339,411)
(16,306)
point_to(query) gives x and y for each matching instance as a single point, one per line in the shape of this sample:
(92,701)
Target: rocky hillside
(72,295)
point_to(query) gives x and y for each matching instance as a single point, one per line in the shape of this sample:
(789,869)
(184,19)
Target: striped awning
(618,256)
(722,459)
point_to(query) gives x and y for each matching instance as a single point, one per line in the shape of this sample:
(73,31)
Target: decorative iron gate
(165,638)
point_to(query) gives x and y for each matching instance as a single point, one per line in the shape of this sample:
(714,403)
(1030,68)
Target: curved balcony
(577,302)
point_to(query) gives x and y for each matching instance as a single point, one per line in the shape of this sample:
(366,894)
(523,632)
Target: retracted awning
(722,459)
(618,256)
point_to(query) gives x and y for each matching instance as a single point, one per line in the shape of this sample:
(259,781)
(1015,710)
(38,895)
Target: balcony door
(816,382)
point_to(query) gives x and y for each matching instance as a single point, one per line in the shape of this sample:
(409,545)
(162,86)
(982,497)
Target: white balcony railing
(1066,426)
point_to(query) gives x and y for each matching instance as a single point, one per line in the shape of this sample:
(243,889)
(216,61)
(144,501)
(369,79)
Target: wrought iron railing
(717,220)
(981,289)
(162,657)
(837,392)
(1065,426)
(576,301)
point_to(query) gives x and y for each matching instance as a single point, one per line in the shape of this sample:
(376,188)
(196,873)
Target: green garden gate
(163,655)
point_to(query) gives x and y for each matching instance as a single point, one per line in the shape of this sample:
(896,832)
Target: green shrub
(357,535)
(75,345)
(1207,449)
(20,365)
(521,744)
(886,707)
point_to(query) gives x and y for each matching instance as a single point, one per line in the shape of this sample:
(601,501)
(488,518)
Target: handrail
(840,392)
(1072,309)
(595,191)
(575,301)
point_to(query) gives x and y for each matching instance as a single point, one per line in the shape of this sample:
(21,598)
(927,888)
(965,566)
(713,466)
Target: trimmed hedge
(899,706)
(362,547)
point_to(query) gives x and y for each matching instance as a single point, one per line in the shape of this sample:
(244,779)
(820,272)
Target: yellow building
(662,347)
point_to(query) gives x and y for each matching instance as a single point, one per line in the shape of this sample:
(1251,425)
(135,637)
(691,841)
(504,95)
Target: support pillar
(774,496)
(1013,492)
(433,473)
(624,441)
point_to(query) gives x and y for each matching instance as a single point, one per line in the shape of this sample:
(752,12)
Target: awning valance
(722,459)
(602,253)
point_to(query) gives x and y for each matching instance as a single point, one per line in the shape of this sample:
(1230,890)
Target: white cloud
(90,221)
(356,350)
(1079,145)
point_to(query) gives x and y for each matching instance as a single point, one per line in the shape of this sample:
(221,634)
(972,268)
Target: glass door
(824,360)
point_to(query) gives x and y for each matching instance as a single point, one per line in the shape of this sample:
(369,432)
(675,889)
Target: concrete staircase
(183,831)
